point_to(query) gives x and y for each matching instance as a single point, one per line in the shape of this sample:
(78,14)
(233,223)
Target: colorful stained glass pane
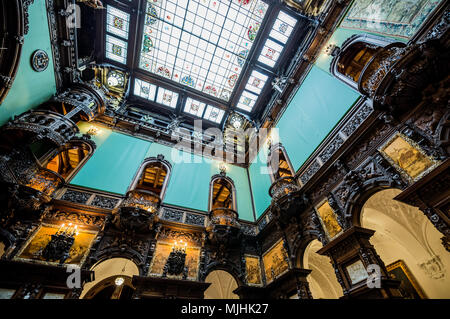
(117,22)
(194,107)
(167,97)
(253,31)
(116,49)
(270,53)
(148,43)
(203,44)
(213,114)
(144,89)
(188,81)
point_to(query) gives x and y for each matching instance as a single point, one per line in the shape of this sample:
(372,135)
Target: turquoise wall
(318,105)
(118,157)
(31,88)
(260,182)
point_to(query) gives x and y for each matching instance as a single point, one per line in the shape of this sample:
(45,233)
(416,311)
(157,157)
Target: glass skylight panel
(213,114)
(144,89)
(117,22)
(256,82)
(202,44)
(194,107)
(247,101)
(167,97)
(116,49)
(270,53)
(282,28)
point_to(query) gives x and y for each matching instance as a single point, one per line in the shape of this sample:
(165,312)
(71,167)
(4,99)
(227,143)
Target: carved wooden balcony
(38,125)
(83,101)
(223,227)
(379,67)
(44,181)
(287,198)
(282,187)
(138,211)
(20,170)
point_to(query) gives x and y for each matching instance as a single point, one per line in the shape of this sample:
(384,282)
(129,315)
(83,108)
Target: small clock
(115,79)
(39,60)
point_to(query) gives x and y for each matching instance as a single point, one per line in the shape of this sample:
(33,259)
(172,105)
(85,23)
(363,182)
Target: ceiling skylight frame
(212,91)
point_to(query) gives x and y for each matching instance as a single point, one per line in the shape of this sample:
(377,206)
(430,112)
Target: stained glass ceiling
(209,46)
(200,44)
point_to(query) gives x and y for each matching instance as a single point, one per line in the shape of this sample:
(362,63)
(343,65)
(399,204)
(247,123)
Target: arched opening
(68,160)
(152,177)
(355,55)
(409,245)
(112,280)
(222,202)
(222,285)
(222,194)
(354,59)
(322,279)
(279,163)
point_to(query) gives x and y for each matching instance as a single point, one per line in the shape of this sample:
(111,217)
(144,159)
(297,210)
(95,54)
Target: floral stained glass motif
(282,28)
(278,36)
(167,97)
(214,114)
(247,101)
(270,53)
(116,49)
(256,82)
(203,44)
(194,107)
(144,90)
(117,22)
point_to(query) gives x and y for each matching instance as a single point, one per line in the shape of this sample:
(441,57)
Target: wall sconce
(58,248)
(93,131)
(222,168)
(119,281)
(332,50)
(269,141)
(175,264)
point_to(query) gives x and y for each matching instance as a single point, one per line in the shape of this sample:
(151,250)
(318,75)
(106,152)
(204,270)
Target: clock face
(39,61)
(115,79)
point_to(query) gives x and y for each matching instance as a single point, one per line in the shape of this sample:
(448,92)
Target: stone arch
(223,283)
(403,232)
(358,198)
(106,271)
(322,279)
(443,133)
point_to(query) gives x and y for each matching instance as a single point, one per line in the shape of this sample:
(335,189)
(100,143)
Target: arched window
(152,177)
(279,164)
(222,193)
(69,159)
(356,53)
